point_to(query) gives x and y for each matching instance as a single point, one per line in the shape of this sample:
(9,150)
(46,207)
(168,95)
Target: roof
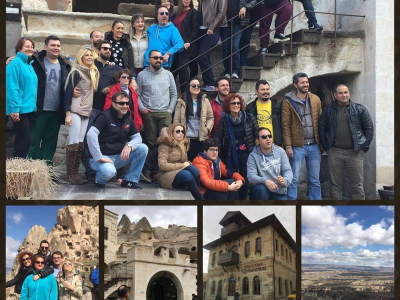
(233,215)
(269,220)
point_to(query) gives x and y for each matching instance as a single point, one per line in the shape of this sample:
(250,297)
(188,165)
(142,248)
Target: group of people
(125,119)
(51,276)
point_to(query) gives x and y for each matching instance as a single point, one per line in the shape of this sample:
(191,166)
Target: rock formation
(76,235)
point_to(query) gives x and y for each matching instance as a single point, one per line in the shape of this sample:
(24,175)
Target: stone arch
(157,251)
(161,278)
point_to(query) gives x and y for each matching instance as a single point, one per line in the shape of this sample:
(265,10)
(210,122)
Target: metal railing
(253,24)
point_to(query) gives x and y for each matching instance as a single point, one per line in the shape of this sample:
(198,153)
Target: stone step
(284,49)
(250,72)
(307,36)
(265,60)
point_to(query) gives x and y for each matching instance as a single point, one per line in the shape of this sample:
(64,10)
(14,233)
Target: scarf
(215,165)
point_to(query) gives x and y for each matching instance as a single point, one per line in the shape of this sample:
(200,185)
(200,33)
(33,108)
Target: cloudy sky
(348,235)
(19,219)
(159,215)
(212,215)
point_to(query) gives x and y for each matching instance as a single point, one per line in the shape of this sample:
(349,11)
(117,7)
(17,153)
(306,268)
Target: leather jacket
(361,126)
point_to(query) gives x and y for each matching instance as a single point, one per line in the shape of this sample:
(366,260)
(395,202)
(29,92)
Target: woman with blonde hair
(175,169)
(69,283)
(139,41)
(85,76)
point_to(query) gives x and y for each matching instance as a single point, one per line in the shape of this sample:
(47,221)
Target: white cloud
(361,257)
(17,217)
(353,215)
(11,250)
(213,214)
(324,227)
(388,208)
(159,215)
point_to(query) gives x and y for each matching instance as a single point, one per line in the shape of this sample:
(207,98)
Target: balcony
(229,228)
(229,258)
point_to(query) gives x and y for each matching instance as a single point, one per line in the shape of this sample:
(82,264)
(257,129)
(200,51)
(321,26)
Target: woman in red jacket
(123,78)
(216,181)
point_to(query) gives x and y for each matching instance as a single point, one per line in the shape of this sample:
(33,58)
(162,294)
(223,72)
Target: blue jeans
(186,175)
(106,171)
(226,47)
(206,43)
(312,154)
(214,195)
(261,192)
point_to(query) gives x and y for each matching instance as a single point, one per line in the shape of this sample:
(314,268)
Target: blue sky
(19,219)
(348,235)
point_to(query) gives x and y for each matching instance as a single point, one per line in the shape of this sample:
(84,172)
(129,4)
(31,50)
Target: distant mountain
(8,270)
(321,267)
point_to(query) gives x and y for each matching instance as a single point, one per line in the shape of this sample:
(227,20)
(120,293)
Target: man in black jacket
(114,142)
(346,131)
(52,71)
(267,111)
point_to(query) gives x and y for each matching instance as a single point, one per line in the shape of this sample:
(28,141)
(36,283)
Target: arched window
(291,287)
(290,256)
(256,285)
(219,290)
(213,288)
(247,248)
(232,286)
(245,286)
(280,286)
(282,253)
(258,244)
(213,259)
(286,253)
(276,245)
(286,288)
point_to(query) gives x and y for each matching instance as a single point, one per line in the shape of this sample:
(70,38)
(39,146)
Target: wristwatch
(129,145)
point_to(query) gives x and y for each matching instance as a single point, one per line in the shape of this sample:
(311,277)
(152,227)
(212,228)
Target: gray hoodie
(156,90)
(265,166)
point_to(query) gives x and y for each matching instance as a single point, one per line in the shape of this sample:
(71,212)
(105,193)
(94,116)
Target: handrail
(271,30)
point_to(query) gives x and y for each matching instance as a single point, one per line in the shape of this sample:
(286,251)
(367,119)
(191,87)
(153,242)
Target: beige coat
(206,117)
(82,105)
(170,159)
(64,293)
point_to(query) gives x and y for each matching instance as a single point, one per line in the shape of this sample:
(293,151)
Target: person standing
(44,250)
(194,112)
(121,48)
(157,101)
(216,104)
(57,258)
(123,292)
(139,41)
(346,131)
(268,169)
(267,111)
(21,95)
(52,71)
(301,110)
(212,13)
(85,76)
(69,283)
(94,278)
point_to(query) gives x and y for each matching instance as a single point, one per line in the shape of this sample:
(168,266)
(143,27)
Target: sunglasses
(44,248)
(157,57)
(125,77)
(67,264)
(235,103)
(180,131)
(164,13)
(195,86)
(39,262)
(106,48)
(25,259)
(213,150)
(266,136)
(122,103)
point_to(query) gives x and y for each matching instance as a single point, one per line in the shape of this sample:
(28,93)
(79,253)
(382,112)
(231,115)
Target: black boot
(193,188)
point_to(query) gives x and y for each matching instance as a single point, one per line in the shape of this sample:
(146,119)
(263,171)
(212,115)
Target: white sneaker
(227,76)
(236,76)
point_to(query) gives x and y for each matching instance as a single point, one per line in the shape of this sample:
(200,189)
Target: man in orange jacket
(216,181)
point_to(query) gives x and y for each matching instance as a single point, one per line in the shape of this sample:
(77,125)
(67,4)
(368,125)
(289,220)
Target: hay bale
(30,179)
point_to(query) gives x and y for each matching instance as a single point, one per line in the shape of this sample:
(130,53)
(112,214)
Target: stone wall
(110,244)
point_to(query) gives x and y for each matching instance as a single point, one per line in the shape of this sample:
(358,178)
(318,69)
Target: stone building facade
(155,263)
(251,260)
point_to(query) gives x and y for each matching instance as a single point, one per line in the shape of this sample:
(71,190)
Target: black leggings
(23,134)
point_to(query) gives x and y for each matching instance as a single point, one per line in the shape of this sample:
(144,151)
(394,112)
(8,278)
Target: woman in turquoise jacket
(21,93)
(163,37)
(41,289)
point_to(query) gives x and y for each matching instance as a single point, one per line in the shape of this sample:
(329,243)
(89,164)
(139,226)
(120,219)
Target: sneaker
(100,185)
(91,178)
(209,88)
(130,184)
(279,37)
(145,176)
(263,51)
(118,182)
(227,76)
(315,26)
(235,76)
